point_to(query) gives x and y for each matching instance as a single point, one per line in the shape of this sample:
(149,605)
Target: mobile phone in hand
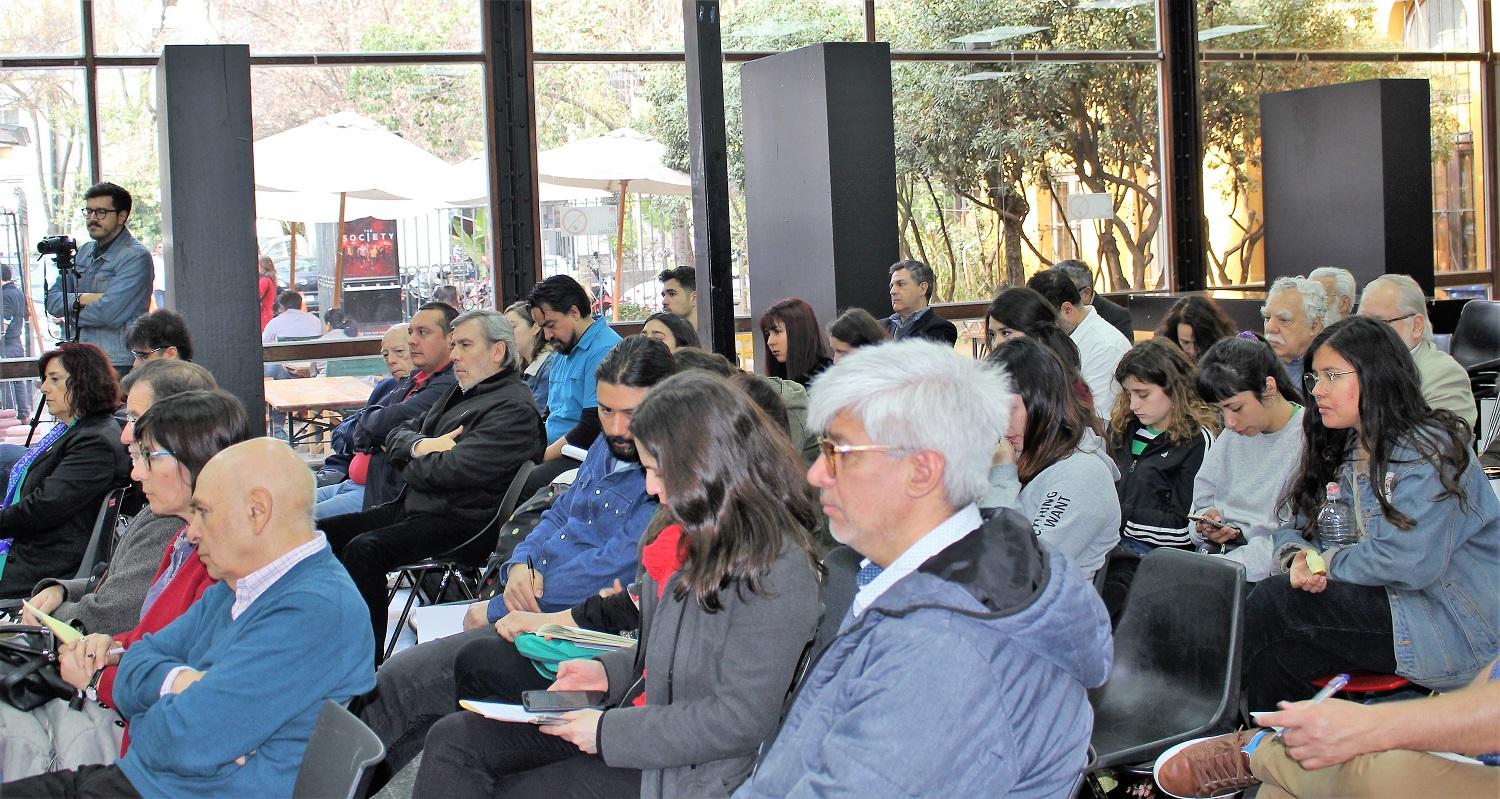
(559,701)
(1204,519)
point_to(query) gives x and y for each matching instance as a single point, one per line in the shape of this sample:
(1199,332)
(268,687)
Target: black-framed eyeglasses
(1311,380)
(1393,320)
(142,355)
(98,213)
(833,452)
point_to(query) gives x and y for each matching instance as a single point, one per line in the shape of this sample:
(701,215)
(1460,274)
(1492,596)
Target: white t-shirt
(1100,347)
(291,322)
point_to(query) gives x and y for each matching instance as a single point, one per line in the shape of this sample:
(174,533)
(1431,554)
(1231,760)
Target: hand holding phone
(1201,519)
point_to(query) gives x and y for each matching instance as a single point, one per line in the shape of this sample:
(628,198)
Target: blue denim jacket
(123,274)
(590,537)
(1442,576)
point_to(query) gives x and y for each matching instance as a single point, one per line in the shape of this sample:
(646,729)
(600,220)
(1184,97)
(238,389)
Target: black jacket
(502,430)
(1156,489)
(1116,316)
(59,502)
(384,414)
(929,326)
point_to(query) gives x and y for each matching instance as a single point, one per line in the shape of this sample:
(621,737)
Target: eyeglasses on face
(833,452)
(1311,380)
(98,213)
(143,455)
(142,355)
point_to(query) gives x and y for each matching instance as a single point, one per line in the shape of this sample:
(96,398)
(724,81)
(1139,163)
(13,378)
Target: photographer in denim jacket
(115,273)
(1416,595)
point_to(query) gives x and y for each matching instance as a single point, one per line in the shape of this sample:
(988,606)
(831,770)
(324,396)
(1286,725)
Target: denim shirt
(590,537)
(571,386)
(123,274)
(1441,576)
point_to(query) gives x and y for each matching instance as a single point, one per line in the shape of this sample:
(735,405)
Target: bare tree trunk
(947,240)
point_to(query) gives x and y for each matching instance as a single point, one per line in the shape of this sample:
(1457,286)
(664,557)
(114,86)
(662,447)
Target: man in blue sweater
(221,702)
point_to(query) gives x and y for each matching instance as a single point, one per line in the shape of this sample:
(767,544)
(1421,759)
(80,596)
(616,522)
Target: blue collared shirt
(591,536)
(571,386)
(123,273)
(899,328)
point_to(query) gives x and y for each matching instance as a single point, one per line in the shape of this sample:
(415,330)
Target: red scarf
(661,558)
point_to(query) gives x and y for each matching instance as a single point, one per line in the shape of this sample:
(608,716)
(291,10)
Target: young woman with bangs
(795,346)
(1022,312)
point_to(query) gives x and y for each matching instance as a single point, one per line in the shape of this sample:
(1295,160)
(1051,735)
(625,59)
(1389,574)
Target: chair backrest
(339,757)
(102,539)
(373,365)
(837,594)
(503,512)
(1177,657)
(1477,337)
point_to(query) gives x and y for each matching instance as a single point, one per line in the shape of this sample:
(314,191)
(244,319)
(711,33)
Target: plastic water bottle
(1335,521)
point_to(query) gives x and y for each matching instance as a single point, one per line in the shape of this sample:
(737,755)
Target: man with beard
(560,307)
(1296,311)
(115,273)
(585,542)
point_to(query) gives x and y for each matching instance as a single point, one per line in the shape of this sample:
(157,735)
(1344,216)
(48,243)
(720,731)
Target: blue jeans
(338,499)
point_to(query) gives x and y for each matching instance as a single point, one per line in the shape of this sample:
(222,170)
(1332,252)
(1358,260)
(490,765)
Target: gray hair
(1077,271)
(496,328)
(918,395)
(1410,298)
(920,273)
(1315,305)
(1343,281)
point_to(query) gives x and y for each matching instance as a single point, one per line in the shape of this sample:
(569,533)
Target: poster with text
(369,248)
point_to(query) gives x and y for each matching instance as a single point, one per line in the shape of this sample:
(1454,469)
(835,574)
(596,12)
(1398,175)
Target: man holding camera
(114,275)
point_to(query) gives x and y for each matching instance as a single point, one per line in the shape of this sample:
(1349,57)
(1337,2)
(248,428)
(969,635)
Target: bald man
(222,701)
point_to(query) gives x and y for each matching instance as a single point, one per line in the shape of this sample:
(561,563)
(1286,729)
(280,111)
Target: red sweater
(186,586)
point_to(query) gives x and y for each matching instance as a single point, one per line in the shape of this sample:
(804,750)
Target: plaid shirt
(251,586)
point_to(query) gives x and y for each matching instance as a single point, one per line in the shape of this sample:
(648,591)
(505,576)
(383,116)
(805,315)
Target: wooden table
(312,396)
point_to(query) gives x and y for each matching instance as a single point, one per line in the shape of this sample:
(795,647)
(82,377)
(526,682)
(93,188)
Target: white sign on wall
(1090,206)
(593,220)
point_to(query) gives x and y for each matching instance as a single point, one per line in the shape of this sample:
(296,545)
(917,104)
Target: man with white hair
(953,613)
(1340,288)
(1296,310)
(457,460)
(1398,301)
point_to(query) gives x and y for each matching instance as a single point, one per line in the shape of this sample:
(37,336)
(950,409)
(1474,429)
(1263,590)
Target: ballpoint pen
(1334,686)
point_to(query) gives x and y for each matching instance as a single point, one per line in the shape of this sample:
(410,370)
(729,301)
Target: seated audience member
(1083,279)
(457,460)
(589,538)
(337,323)
(690,704)
(912,283)
(426,375)
(909,431)
(178,435)
(54,491)
(795,349)
(853,329)
(1344,750)
(292,323)
(1195,323)
(1415,596)
(112,603)
(1245,473)
(535,352)
(679,293)
(222,701)
(1161,429)
(1100,346)
(560,308)
(1296,310)
(1339,288)
(692,358)
(159,334)
(1398,301)
(1052,467)
(1020,312)
(671,330)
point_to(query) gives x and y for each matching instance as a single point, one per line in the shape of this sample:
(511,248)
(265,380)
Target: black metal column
(710,171)
(510,122)
(1182,142)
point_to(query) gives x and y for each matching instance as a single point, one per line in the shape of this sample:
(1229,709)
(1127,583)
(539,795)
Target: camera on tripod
(60,247)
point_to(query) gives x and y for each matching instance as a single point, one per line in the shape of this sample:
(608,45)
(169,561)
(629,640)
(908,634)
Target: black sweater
(1156,487)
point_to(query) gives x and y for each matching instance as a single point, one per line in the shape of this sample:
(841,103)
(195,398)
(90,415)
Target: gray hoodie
(1072,504)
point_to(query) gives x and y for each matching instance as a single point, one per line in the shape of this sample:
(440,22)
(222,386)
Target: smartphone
(1210,522)
(557,701)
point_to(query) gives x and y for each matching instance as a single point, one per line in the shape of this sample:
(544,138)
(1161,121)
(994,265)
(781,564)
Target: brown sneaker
(1207,767)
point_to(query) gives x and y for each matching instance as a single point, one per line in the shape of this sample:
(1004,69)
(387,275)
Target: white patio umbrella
(621,161)
(471,186)
(346,156)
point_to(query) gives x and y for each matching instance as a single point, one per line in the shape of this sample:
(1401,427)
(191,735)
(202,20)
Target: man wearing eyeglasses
(115,273)
(1398,301)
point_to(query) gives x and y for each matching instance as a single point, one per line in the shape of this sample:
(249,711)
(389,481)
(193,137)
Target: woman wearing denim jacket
(1416,596)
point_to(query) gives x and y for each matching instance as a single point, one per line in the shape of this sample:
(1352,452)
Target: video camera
(60,247)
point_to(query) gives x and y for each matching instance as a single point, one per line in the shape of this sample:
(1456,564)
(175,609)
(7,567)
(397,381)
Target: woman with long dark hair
(1244,474)
(1022,312)
(1195,323)
(794,342)
(1057,472)
(853,329)
(689,705)
(54,491)
(1415,595)
(535,353)
(671,330)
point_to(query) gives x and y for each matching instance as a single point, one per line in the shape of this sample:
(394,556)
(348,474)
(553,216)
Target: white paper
(513,713)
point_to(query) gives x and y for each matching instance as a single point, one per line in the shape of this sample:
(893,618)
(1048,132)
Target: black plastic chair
(1176,672)
(102,539)
(1476,346)
(339,757)
(467,576)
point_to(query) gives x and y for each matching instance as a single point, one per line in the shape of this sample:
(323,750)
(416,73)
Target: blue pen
(1334,686)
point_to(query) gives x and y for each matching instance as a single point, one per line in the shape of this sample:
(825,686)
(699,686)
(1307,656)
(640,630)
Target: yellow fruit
(1315,562)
